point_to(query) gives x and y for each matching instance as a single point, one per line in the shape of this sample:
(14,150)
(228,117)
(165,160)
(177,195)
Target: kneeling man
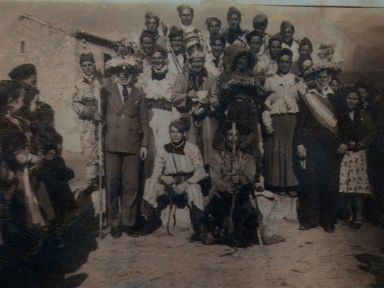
(176,175)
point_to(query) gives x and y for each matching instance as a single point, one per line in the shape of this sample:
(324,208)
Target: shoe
(207,237)
(195,237)
(292,194)
(312,224)
(357,224)
(304,227)
(131,231)
(116,232)
(329,228)
(259,187)
(274,239)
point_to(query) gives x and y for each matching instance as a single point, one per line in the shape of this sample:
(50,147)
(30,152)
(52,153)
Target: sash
(321,109)
(31,201)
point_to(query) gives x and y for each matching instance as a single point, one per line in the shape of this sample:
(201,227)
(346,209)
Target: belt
(159,104)
(247,100)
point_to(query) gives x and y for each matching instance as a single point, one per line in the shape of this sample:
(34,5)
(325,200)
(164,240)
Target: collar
(159,74)
(175,148)
(323,93)
(202,73)
(155,34)
(289,43)
(89,79)
(187,29)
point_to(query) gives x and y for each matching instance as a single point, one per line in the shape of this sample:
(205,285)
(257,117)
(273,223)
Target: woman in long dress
(282,106)
(357,131)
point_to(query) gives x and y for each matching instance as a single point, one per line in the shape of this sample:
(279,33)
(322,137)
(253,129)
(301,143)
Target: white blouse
(284,96)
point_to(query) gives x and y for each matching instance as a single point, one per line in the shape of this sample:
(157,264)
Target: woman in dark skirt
(282,103)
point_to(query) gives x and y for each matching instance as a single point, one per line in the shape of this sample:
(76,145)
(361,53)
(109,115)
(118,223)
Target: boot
(4,210)
(197,218)
(207,232)
(150,218)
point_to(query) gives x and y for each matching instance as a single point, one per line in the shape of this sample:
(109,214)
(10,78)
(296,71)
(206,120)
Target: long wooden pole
(231,222)
(100,146)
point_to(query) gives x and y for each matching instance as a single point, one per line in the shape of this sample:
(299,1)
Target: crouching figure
(230,216)
(178,169)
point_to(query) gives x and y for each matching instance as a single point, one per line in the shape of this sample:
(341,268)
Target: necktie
(125,93)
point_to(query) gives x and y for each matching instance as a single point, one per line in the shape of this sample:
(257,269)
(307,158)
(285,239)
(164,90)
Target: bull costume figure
(241,98)
(85,103)
(230,216)
(178,170)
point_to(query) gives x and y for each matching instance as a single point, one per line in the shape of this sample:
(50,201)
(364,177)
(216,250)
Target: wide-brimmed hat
(331,67)
(130,64)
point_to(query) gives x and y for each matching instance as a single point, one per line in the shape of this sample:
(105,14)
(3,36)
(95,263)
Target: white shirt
(210,66)
(294,48)
(265,64)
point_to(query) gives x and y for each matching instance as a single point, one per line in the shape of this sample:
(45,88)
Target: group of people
(35,190)
(209,121)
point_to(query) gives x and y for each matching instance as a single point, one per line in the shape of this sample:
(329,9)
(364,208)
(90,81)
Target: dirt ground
(308,259)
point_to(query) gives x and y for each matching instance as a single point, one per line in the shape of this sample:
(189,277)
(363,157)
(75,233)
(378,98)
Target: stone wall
(55,54)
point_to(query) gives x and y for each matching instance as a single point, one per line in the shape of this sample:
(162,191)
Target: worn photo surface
(191,144)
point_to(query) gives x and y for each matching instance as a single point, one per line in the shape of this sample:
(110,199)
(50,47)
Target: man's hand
(50,155)
(193,95)
(99,117)
(22,157)
(166,180)
(180,189)
(343,148)
(204,101)
(301,151)
(143,153)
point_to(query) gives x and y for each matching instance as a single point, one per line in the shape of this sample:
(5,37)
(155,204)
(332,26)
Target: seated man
(176,175)
(233,172)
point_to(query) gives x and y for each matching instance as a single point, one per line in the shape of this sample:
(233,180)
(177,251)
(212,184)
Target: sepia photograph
(196,144)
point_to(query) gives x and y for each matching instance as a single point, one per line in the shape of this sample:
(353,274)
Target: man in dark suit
(126,142)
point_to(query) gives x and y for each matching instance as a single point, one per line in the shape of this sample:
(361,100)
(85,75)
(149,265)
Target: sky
(357,32)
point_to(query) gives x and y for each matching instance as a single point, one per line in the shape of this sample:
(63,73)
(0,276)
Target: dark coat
(360,130)
(11,140)
(56,175)
(127,126)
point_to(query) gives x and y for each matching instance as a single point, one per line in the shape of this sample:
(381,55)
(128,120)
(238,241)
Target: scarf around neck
(90,78)
(175,148)
(196,79)
(159,74)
